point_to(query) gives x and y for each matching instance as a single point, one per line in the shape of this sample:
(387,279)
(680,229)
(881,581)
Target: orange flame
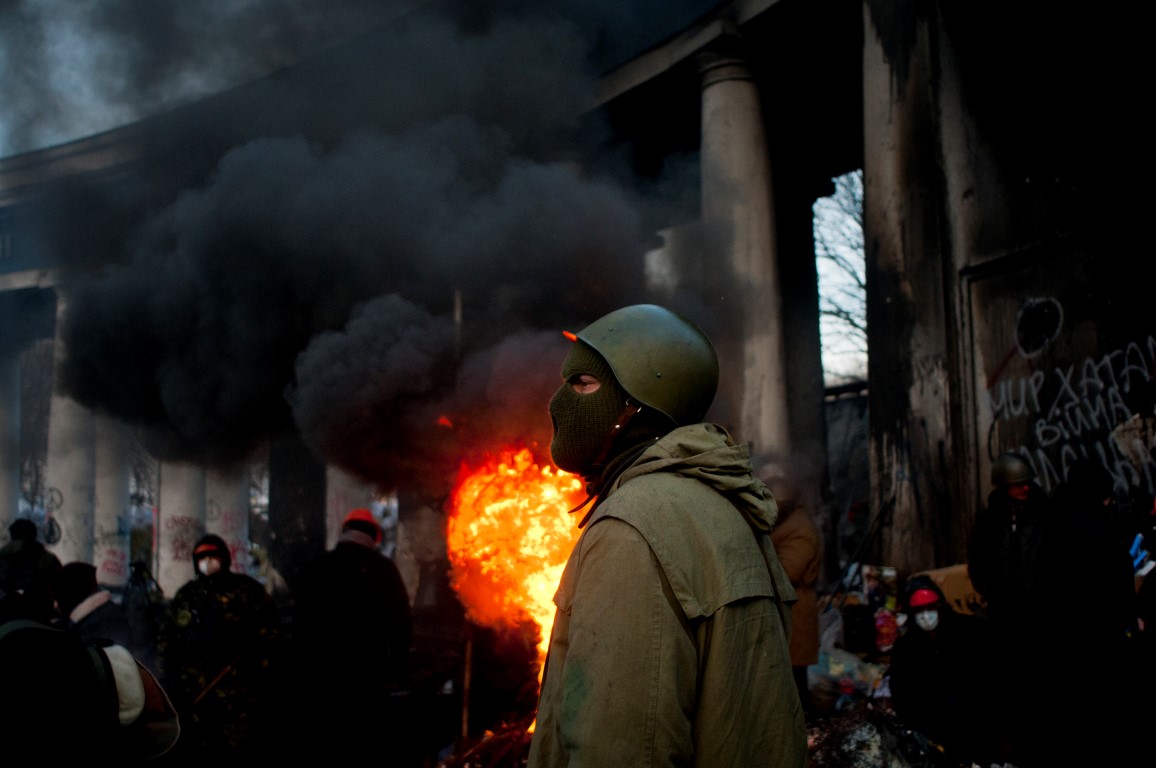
(509,534)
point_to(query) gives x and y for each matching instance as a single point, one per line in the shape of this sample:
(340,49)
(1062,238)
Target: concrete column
(180,522)
(909,372)
(296,505)
(227,511)
(9,442)
(421,557)
(343,492)
(738,219)
(977,224)
(111,527)
(71,467)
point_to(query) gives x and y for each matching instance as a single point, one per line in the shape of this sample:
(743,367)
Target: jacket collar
(708,453)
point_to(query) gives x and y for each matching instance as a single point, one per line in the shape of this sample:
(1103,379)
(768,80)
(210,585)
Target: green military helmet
(1010,469)
(660,358)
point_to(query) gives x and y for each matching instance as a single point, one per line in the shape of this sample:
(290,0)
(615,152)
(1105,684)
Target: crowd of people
(216,671)
(1060,586)
(687,621)
(1055,665)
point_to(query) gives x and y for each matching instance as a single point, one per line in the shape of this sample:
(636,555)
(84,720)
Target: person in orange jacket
(798,543)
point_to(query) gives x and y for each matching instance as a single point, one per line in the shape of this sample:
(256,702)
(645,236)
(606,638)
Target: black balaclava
(583,424)
(211,545)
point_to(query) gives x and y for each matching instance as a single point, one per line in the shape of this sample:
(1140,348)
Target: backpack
(67,697)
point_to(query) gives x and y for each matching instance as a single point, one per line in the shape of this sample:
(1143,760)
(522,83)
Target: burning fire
(508,539)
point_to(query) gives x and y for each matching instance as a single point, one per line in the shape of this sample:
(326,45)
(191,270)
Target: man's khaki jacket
(669,647)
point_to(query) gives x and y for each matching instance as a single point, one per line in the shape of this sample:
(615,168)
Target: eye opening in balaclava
(584,423)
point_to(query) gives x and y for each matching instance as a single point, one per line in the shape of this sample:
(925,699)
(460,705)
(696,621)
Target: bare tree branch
(839,248)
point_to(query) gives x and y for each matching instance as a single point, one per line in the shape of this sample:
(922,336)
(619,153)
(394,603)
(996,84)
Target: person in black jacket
(1010,561)
(219,648)
(1099,607)
(939,674)
(25,568)
(351,607)
(68,700)
(1014,565)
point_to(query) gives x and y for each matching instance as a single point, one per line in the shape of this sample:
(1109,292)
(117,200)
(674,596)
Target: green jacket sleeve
(628,681)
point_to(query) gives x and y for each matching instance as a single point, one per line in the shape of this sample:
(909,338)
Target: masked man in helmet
(1013,564)
(1008,558)
(669,646)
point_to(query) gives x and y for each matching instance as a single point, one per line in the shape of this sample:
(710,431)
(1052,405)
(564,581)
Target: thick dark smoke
(311,276)
(374,398)
(74,68)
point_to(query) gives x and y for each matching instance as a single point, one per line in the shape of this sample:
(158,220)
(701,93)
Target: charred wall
(1001,169)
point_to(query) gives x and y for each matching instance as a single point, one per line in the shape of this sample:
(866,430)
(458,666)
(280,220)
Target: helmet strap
(630,410)
(596,494)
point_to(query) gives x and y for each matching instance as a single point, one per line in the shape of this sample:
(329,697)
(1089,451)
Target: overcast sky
(72,68)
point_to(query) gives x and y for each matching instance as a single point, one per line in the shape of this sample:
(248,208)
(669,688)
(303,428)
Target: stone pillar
(422,559)
(296,505)
(111,520)
(227,511)
(180,522)
(71,466)
(977,224)
(905,270)
(343,492)
(9,442)
(738,219)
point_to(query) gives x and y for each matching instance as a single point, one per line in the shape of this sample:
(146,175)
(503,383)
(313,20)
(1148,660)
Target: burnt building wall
(1001,169)
(1004,176)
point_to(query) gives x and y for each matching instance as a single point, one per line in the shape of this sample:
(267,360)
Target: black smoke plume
(383,248)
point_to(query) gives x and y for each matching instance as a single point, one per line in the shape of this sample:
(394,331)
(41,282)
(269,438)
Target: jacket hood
(707,453)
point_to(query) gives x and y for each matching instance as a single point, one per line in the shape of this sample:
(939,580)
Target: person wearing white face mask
(926,614)
(937,674)
(218,649)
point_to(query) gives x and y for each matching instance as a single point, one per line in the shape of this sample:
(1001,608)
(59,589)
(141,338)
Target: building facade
(1003,178)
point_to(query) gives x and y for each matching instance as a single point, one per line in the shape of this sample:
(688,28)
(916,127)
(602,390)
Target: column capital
(722,60)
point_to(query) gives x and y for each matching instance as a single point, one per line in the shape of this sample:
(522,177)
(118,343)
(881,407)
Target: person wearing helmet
(1007,559)
(218,649)
(669,645)
(1013,565)
(939,675)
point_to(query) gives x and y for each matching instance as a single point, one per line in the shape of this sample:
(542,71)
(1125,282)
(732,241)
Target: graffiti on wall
(111,544)
(182,532)
(114,564)
(1098,407)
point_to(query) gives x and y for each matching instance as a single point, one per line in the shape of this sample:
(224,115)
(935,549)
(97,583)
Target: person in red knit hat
(937,675)
(351,604)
